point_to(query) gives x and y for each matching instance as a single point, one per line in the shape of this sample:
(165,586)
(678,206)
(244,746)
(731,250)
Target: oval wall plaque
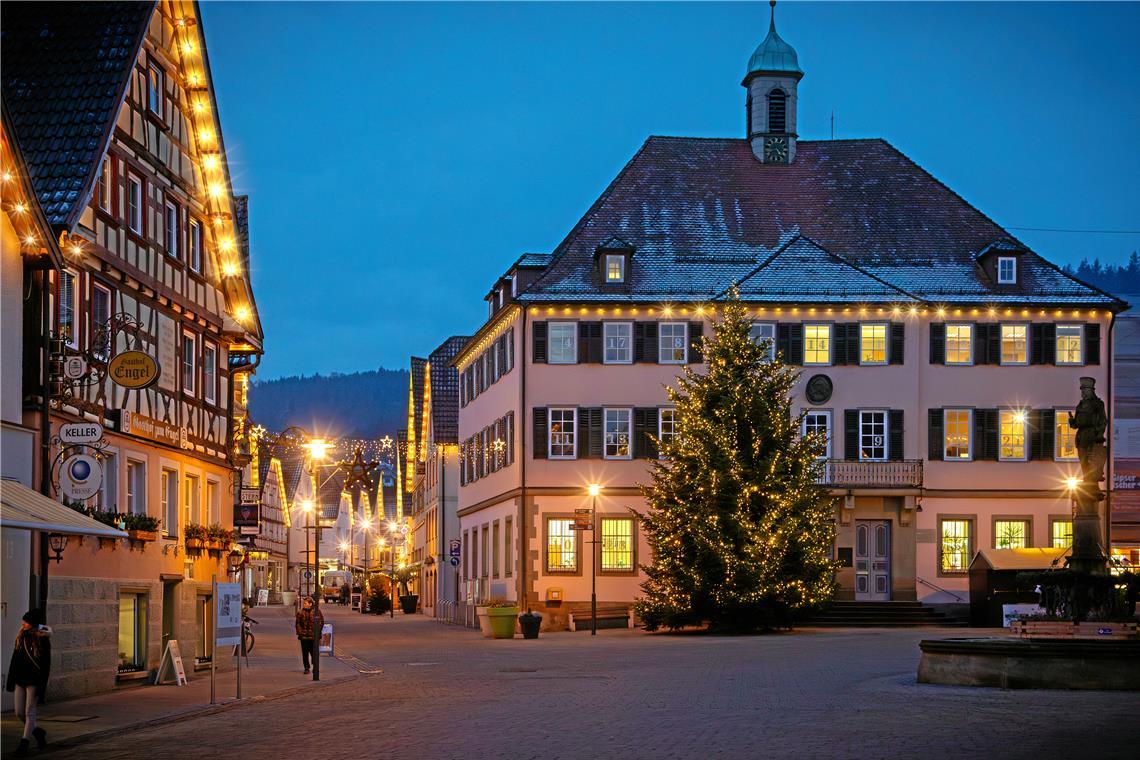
(133,369)
(818,389)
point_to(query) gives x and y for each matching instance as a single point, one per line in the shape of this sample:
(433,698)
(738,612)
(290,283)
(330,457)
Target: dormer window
(1007,270)
(615,268)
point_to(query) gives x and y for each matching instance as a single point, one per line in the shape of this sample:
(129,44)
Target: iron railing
(457,613)
(904,473)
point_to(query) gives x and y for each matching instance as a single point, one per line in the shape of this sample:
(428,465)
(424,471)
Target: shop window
(617,544)
(561,546)
(1011,534)
(1061,534)
(132,632)
(955,542)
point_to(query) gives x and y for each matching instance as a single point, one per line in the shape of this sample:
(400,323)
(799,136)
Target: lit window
(136,487)
(108,496)
(671,342)
(189,362)
(105,185)
(955,546)
(764,334)
(1012,432)
(209,372)
(819,423)
(617,543)
(873,344)
(170,502)
(563,341)
(213,502)
(191,501)
(195,243)
(68,303)
(171,230)
(132,632)
(615,268)
(959,344)
(1014,344)
(1007,270)
(873,435)
(617,433)
(135,204)
(204,621)
(1064,438)
(154,89)
(100,317)
(1011,534)
(666,425)
(561,546)
(1069,344)
(563,425)
(956,432)
(618,342)
(817,344)
(1061,534)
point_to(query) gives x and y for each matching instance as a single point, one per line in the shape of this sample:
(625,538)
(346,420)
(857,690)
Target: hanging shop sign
(74,367)
(80,432)
(133,370)
(80,477)
(154,430)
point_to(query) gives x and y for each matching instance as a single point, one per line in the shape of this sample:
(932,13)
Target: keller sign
(80,432)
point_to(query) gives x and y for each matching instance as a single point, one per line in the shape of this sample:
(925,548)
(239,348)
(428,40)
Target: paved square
(447,693)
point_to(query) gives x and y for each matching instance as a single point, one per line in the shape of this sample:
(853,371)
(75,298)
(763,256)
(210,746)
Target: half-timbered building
(113,107)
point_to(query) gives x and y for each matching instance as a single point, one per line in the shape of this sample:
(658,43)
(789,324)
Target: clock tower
(773,76)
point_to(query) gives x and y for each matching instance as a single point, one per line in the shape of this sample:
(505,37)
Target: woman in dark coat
(28,675)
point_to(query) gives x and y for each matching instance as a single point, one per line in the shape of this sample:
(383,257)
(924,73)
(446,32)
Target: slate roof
(704,213)
(331,487)
(292,471)
(445,390)
(65,70)
(416,399)
(536,260)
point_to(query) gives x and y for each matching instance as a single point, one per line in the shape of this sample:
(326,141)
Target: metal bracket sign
(249,495)
(583,520)
(80,432)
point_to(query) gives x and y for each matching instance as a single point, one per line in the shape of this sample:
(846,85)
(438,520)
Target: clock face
(776,150)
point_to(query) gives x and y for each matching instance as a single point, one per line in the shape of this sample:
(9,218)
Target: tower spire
(772,23)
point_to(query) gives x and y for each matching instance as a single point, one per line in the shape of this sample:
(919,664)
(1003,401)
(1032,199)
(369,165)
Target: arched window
(777,111)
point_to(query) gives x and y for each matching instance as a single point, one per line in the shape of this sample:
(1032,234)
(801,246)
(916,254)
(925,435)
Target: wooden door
(873,560)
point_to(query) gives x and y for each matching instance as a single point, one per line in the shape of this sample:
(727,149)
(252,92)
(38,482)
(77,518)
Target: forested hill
(1115,278)
(360,404)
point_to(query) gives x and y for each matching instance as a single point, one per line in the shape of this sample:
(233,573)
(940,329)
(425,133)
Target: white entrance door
(873,560)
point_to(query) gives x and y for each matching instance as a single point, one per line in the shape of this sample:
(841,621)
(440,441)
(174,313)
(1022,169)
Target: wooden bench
(609,616)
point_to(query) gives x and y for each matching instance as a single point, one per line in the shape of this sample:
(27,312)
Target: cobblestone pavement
(445,692)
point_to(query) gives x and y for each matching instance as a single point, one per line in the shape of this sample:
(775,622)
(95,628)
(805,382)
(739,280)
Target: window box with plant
(218,538)
(141,528)
(196,536)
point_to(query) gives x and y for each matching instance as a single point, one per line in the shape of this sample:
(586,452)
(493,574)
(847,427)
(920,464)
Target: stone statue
(1090,421)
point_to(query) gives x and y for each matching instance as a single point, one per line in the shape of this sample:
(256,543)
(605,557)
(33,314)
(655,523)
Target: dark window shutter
(652,347)
(540,342)
(589,342)
(541,442)
(1092,344)
(851,434)
(839,336)
(898,342)
(644,429)
(993,343)
(784,342)
(596,343)
(986,434)
(1033,434)
(1047,432)
(1036,339)
(895,435)
(935,438)
(590,433)
(852,334)
(795,344)
(981,345)
(583,342)
(937,342)
(639,341)
(696,334)
(1045,343)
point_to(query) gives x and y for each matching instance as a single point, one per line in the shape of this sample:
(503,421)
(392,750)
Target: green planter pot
(503,621)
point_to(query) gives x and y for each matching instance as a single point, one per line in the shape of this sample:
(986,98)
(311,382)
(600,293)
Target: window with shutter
(564,433)
(959,344)
(898,342)
(872,343)
(851,434)
(937,343)
(1070,344)
(935,444)
(1092,344)
(539,443)
(817,344)
(671,338)
(895,446)
(539,342)
(696,342)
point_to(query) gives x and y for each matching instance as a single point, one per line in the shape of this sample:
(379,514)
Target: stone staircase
(851,614)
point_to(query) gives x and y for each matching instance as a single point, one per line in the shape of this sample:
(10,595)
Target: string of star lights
(17,200)
(212,168)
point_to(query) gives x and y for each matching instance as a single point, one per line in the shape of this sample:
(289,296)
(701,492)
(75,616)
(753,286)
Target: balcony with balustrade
(844,473)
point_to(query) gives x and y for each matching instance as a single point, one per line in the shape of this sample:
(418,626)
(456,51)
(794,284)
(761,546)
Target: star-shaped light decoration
(359,471)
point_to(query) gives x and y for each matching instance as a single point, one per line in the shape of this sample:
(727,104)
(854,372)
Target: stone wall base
(1019,664)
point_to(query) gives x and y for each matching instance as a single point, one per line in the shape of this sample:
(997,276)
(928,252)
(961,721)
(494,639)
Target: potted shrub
(141,527)
(195,536)
(408,600)
(503,616)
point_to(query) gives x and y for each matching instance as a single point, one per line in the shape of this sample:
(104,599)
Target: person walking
(310,622)
(28,676)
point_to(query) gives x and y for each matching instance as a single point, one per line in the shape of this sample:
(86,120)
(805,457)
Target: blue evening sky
(400,156)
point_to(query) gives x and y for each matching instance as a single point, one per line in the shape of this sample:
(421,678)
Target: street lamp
(307,508)
(594,490)
(392,525)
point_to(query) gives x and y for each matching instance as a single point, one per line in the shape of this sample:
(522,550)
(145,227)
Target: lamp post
(317,447)
(392,538)
(307,508)
(594,490)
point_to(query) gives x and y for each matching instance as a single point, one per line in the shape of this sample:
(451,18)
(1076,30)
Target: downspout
(1109,440)
(524,536)
(45,430)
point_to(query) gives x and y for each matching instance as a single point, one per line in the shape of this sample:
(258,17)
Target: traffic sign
(454,547)
(455,561)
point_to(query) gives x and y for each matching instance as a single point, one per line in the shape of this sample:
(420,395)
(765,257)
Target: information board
(227,615)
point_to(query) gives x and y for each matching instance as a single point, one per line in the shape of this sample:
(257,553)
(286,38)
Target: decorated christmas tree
(741,531)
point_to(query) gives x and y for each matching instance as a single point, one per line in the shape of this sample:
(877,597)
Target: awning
(1021,559)
(21,507)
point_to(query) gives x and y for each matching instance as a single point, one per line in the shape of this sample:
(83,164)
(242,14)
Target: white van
(332,582)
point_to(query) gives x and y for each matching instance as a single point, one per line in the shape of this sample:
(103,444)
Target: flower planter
(214,544)
(195,544)
(409,603)
(142,535)
(1066,629)
(530,623)
(503,621)
(484,621)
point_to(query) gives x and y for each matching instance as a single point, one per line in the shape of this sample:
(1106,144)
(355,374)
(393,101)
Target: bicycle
(248,639)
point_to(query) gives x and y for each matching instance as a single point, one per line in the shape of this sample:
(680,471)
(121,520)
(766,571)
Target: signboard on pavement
(227,614)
